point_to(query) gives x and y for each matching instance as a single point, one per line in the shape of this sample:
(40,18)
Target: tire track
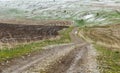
(22,65)
(69,58)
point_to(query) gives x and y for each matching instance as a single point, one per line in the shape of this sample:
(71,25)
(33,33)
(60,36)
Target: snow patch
(88,16)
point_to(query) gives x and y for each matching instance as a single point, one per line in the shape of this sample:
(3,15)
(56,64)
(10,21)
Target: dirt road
(76,57)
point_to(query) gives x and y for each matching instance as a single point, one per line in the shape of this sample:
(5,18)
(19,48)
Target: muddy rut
(66,58)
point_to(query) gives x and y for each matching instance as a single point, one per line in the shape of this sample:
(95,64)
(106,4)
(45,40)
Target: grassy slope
(109,60)
(28,48)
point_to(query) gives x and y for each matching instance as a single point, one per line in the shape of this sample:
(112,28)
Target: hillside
(59,36)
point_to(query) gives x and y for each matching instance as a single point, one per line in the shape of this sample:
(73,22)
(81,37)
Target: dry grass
(106,40)
(108,36)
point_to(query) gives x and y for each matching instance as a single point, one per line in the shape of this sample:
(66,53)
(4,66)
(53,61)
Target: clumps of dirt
(20,33)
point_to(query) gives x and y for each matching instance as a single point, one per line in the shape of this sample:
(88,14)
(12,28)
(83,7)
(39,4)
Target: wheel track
(69,58)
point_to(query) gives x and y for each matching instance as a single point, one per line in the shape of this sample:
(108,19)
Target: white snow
(88,16)
(45,9)
(6,0)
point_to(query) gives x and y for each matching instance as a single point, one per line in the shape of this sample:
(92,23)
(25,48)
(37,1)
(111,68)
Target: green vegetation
(109,60)
(34,46)
(80,22)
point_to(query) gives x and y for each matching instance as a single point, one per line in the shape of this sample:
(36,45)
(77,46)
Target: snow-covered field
(32,9)
(50,9)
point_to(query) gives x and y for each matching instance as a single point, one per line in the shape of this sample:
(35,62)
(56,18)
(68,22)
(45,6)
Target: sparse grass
(109,60)
(28,48)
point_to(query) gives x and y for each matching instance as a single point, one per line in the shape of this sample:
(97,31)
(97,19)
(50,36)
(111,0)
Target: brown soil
(37,22)
(20,33)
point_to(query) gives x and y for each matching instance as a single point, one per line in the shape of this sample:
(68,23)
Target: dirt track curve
(65,58)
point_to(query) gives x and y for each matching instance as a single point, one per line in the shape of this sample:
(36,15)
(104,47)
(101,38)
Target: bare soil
(20,33)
